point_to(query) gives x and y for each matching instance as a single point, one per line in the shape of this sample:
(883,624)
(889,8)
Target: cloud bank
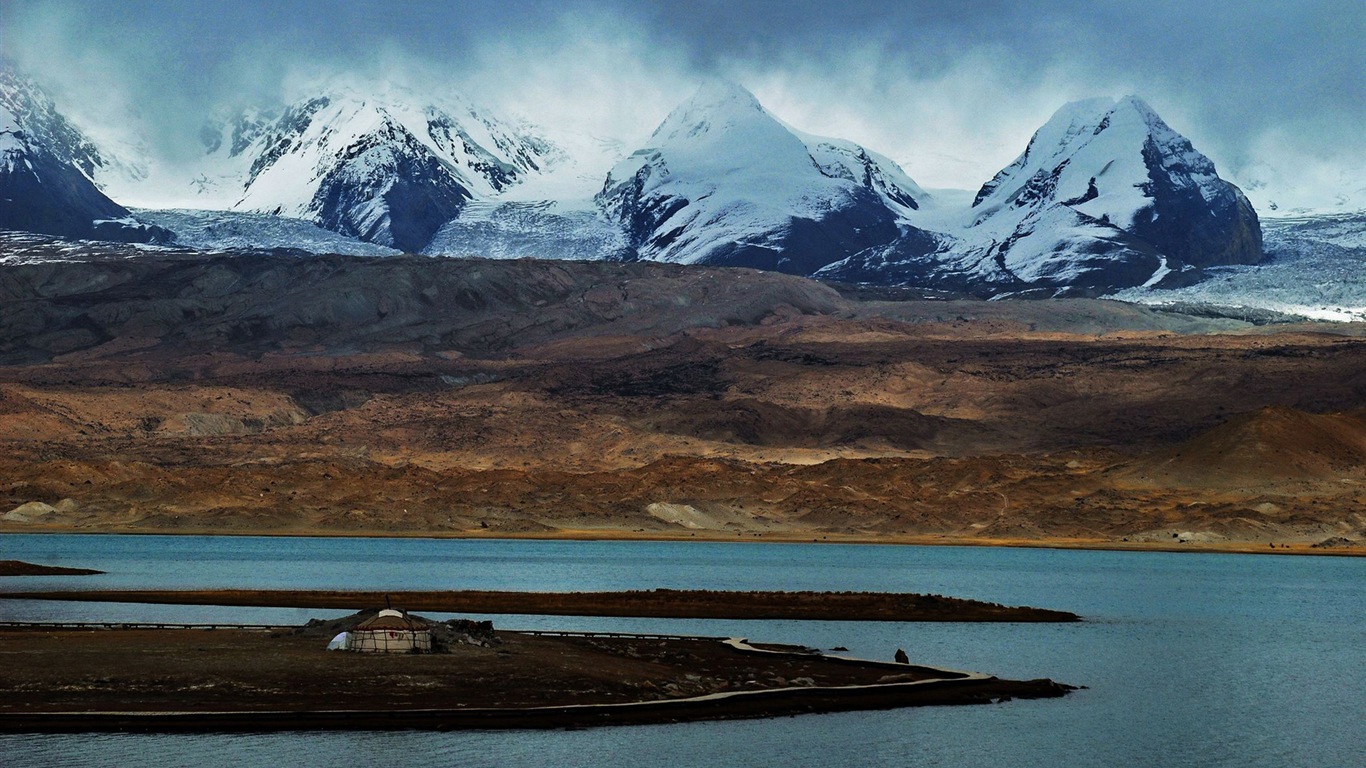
(951,90)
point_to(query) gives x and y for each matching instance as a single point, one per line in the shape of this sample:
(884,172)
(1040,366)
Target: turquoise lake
(1189,659)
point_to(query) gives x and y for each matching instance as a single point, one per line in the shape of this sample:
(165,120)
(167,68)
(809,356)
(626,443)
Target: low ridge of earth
(658,603)
(284,679)
(21,568)
(266,393)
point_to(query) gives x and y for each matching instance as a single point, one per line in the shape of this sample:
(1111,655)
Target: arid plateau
(266,393)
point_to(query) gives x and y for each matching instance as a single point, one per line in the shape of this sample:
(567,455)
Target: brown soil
(1266,448)
(288,671)
(659,603)
(654,401)
(21,568)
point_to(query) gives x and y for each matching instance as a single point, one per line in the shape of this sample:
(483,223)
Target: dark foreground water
(1190,659)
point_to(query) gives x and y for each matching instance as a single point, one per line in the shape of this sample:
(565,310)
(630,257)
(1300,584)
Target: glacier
(1314,270)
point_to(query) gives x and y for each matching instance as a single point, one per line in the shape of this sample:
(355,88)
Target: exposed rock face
(397,195)
(1196,218)
(916,258)
(41,194)
(725,182)
(45,170)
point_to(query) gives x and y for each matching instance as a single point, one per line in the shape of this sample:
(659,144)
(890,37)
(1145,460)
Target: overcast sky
(950,89)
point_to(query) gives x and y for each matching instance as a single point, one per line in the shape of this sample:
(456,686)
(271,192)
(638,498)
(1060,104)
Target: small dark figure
(901,657)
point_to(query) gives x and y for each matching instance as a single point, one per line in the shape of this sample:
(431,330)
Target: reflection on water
(1191,660)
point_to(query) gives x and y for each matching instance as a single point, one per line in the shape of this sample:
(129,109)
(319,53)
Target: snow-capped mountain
(384,165)
(723,181)
(46,170)
(1105,196)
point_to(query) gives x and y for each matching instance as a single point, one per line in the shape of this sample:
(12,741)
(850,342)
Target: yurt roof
(391,619)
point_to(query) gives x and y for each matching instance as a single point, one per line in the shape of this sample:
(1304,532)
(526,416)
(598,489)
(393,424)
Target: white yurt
(390,631)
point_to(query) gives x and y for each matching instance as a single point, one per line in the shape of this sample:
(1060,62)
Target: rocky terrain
(264,392)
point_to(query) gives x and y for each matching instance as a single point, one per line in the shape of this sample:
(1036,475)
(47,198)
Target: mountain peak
(724,181)
(717,107)
(1136,102)
(377,91)
(1107,138)
(1096,107)
(1107,187)
(1080,121)
(719,91)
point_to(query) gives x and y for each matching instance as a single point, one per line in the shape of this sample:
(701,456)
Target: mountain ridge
(1105,197)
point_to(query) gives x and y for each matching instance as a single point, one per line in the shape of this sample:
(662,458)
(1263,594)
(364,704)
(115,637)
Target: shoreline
(658,603)
(739,705)
(21,568)
(847,684)
(927,540)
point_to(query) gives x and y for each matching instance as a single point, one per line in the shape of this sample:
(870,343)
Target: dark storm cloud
(1248,65)
(951,88)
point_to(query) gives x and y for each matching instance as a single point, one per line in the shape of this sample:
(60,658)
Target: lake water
(1190,659)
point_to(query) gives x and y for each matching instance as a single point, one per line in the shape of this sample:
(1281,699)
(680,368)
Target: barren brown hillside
(1270,447)
(256,392)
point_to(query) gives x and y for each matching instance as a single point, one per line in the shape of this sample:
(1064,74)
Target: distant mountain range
(1105,197)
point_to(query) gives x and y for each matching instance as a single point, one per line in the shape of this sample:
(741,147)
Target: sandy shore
(934,540)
